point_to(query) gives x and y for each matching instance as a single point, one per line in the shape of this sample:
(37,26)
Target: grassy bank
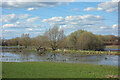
(112,47)
(86,52)
(82,52)
(56,70)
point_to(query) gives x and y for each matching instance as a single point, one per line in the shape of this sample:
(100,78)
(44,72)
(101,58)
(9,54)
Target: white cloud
(9,25)
(115,0)
(53,19)
(102,27)
(23,24)
(33,19)
(20,4)
(93,9)
(33,29)
(90,23)
(90,9)
(19,21)
(73,21)
(38,1)
(13,17)
(106,6)
(30,9)
(29,29)
(9,31)
(114,26)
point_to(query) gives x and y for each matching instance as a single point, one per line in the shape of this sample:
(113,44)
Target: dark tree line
(54,38)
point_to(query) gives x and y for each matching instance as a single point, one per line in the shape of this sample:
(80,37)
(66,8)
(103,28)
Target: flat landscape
(57,70)
(59,39)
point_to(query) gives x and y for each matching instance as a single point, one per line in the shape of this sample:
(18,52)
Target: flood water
(58,57)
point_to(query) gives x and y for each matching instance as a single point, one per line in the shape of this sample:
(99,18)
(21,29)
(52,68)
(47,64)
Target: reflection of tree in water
(25,56)
(52,57)
(40,53)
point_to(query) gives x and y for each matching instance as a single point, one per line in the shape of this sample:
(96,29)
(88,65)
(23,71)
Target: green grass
(11,46)
(56,70)
(112,47)
(87,52)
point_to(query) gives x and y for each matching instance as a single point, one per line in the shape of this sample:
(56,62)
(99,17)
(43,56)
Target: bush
(89,41)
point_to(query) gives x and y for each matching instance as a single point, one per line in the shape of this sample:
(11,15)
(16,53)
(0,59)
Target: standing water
(58,57)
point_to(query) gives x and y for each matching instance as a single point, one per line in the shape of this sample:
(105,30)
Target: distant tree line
(54,38)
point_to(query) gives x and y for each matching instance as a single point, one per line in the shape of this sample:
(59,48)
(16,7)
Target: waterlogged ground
(58,57)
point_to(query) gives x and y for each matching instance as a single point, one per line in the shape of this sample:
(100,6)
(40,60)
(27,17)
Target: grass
(112,47)
(56,70)
(87,52)
(82,52)
(11,46)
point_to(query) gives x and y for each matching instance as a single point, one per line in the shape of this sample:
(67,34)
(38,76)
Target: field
(112,47)
(57,70)
(87,52)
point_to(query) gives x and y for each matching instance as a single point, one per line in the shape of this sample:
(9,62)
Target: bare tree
(39,41)
(55,36)
(25,40)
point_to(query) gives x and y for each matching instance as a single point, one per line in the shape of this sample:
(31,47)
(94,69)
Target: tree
(0,41)
(89,41)
(39,41)
(74,38)
(25,40)
(55,36)
(65,43)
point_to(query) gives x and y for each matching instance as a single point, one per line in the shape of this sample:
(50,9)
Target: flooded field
(59,57)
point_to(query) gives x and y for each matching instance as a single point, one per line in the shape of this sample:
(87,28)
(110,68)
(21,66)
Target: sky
(35,18)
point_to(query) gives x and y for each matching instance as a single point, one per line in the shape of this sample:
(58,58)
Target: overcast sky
(37,17)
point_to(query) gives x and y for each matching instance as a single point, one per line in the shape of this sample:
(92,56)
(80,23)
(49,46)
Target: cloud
(22,25)
(30,9)
(90,9)
(33,19)
(13,17)
(104,30)
(92,23)
(5,31)
(72,21)
(102,27)
(75,9)
(38,1)
(19,21)
(114,26)
(26,23)
(33,29)
(18,28)
(106,6)
(9,25)
(20,4)
(93,9)
(115,0)
(29,29)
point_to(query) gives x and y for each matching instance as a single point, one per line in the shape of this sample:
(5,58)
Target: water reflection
(68,58)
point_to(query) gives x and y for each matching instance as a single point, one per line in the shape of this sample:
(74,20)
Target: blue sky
(35,18)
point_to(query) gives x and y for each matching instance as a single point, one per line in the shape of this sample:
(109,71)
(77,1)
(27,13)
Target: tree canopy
(55,38)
